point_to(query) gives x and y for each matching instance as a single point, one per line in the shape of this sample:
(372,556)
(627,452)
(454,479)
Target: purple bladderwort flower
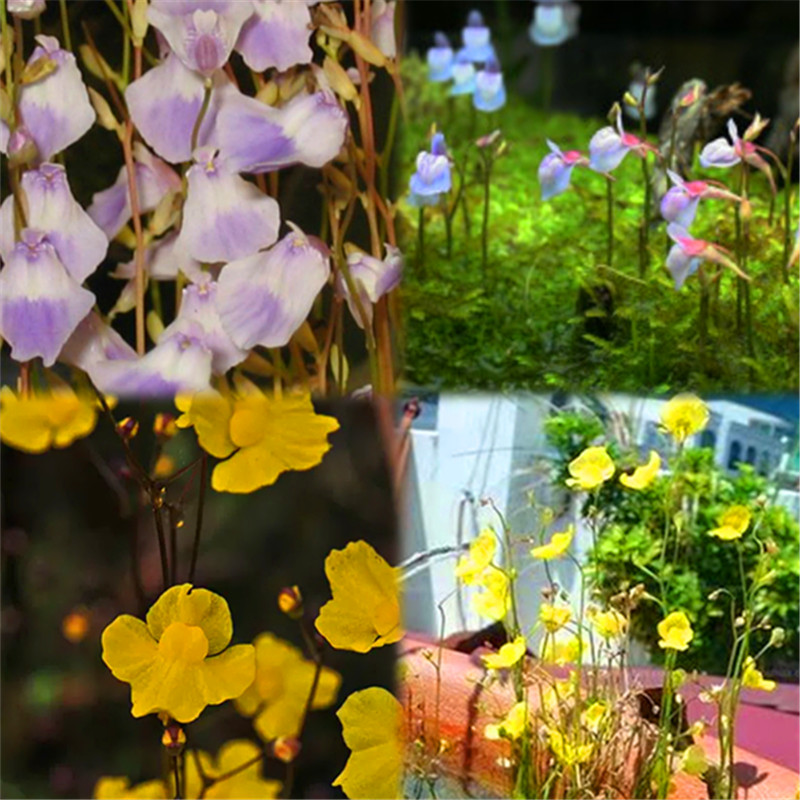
(264,298)
(476,39)
(202,33)
(111,208)
(25,9)
(490,91)
(40,303)
(254,137)
(94,342)
(553,23)
(680,203)
(440,59)
(463,74)
(725,154)
(382,28)
(610,145)
(224,216)
(276,35)
(373,279)
(55,110)
(50,208)
(556,168)
(432,177)
(165,103)
(687,254)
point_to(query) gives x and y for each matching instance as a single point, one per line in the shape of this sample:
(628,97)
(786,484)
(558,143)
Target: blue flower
(490,92)
(463,74)
(556,168)
(440,60)
(553,23)
(432,178)
(476,38)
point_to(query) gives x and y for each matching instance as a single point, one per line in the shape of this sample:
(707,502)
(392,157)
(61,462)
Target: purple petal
(432,176)
(373,279)
(554,175)
(80,245)
(678,206)
(225,217)
(681,266)
(40,304)
(490,93)
(164,259)
(94,342)
(477,44)
(719,153)
(276,36)
(56,109)
(606,150)
(382,31)
(440,64)
(549,27)
(263,299)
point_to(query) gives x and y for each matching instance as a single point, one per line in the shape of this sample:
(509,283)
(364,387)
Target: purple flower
(432,177)
(373,279)
(264,298)
(111,208)
(680,202)
(50,207)
(94,342)
(40,304)
(688,253)
(440,60)
(165,103)
(202,33)
(25,9)
(490,92)
(55,110)
(463,74)
(553,23)
(224,217)
(254,137)
(382,30)
(556,168)
(610,145)
(476,39)
(276,35)
(721,153)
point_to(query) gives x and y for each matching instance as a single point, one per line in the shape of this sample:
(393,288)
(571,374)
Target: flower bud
(771,547)
(613,113)
(164,467)
(26,9)
(286,749)
(777,637)
(339,79)
(630,100)
(38,70)
(105,116)
(139,21)
(691,97)
(173,739)
(21,147)
(746,209)
(654,78)
(128,428)
(164,426)
(290,601)
(755,128)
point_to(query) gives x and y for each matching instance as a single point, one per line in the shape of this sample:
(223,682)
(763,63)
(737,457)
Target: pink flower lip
(629,140)
(696,188)
(692,247)
(573,157)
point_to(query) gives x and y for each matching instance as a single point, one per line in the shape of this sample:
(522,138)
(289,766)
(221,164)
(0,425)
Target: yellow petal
(129,650)
(371,721)
(246,784)
(229,674)
(365,609)
(193,606)
(684,415)
(117,788)
(591,468)
(507,655)
(642,476)
(495,600)
(558,545)
(481,553)
(210,414)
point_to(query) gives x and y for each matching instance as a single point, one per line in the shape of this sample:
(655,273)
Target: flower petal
(276,36)
(129,650)
(210,413)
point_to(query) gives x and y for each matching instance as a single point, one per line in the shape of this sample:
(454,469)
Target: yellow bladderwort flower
(494,601)
(642,476)
(55,418)
(512,726)
(554,617)
(754,679)
(684,415)
(507,655)
(558,545)
(593,716)
(247,782)
(481,553)
(372,721)
(694,760)
(179,661)
(609,624)
(259,436)
(365,609)
(560,691)
(278,695)
(561,650)
(675,631)
(119,788)
(590,469)
(732,523)
(568,753)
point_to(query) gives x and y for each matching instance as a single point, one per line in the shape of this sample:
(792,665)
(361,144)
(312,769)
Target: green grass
(523,325)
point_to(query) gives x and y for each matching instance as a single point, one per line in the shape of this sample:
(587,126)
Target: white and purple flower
(276,35)
(688,253)
(432,177)
(725,154)
(463,74)
(555,170)
(490,91)
(476,39)
(609,146)
(440,59)
(373,278)
(679,204)
(553,23)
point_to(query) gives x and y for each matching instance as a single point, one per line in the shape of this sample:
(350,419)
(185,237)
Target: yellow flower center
(247,427)
(181,642)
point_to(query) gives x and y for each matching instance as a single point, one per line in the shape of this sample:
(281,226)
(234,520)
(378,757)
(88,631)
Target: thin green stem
(487,182)
(203,108)
(199,519)
(610,219)
(62,4)
(421,241)
(787,210)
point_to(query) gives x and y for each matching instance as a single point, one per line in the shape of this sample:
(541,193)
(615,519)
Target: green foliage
(550,312)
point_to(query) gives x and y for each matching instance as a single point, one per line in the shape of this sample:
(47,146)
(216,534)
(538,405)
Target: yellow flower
(259,436)
(590,469)
(245,783)
(507,655)
(556,547)
(118,788)
(560,691)
(372,729)
(495,599)
(593,716)
(567,752)
(732,524)
(178,662)
(694,760)
(45,419)
(684,415)
(554,617)
(754,679)
(675,631)
(560,650)
(610,624)
(642,476)
(278,695)
(365,609)
(512,726)
(481,553)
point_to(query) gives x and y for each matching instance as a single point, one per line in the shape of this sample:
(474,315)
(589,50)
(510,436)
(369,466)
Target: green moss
(550,312)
